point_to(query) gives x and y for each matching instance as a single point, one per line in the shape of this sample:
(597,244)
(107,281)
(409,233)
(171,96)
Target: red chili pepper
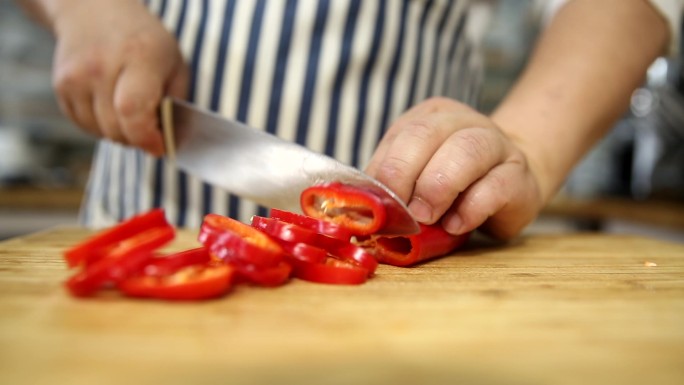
(332,271)
(358,210)
(330,229)
(119,261)
(356,255)
(339,249)
(298,251)
(193,282)
(270,276)
(106,271)
(89,251)
(146,240)
(171,263)
(432,241)
(295,233)
(315,247)
(184,275)
(233,241)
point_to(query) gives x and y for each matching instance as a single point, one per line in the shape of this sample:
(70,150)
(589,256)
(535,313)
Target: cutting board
(546,309)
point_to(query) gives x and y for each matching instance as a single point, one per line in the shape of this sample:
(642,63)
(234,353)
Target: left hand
(453,164)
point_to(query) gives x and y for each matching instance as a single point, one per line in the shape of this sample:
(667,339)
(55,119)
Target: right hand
(114,62)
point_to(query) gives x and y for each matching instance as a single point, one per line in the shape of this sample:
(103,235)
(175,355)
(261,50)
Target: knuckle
(439,188)
(65,78)
(92,65)
(473,144)
(422,130)
(499,184)
(393,169)
(78,73)
(142,43)
(412,130)
(126,106)
(130,105)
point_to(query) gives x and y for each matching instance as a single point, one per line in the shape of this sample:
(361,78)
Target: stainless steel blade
(259,166)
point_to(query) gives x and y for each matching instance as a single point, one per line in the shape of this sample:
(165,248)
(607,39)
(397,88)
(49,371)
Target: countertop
(46,199)
(544,309)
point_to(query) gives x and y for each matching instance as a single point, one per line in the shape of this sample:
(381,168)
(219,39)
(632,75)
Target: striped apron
(329,74)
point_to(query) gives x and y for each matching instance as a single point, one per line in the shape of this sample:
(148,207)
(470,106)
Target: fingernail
(453,224)
(420,210)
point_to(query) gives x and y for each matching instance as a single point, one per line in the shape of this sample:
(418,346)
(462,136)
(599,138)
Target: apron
(329,74)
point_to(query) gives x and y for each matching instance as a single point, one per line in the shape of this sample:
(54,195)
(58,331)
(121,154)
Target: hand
(113,63)
(453,164)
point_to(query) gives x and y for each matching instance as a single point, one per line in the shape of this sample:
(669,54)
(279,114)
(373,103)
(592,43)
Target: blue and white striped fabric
(329,74)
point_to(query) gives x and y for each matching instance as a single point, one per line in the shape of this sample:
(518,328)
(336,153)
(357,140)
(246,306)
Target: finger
(462,159)
(105,114)
(136,98)
(386,142)
(74,100)
(82,106)
(410,149)
(180,81)
(493,195)
(67,109)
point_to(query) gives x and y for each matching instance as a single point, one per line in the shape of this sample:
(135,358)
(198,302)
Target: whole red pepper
(432,241)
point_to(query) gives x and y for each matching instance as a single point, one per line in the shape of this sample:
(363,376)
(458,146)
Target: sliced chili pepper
(145,240)
(119,261)
(105,271)
(302,252)
(194,282)
(330,229)
(171,263)
(270,276)
(359,210)
(295,233)
(230,240)
(91,249)
(356,255)
(432,241)
(332,271)
(339,249)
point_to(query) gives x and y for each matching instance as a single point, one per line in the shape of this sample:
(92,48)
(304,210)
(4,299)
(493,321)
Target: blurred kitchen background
(632,182)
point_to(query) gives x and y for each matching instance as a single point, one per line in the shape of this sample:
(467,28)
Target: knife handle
(166,112)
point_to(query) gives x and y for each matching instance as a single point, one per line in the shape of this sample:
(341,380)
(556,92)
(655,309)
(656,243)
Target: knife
(261,167)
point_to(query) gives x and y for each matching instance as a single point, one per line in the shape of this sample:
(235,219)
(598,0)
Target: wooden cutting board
(554,309)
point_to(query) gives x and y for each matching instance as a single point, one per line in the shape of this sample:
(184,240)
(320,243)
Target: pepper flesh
(332,271)
(330,229)
(87,252)
(432,241)
(337,248)
(193,282)
(117,261)
(230,240)
(359,210)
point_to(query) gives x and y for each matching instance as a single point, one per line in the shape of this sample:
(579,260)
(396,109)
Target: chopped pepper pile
(333,242)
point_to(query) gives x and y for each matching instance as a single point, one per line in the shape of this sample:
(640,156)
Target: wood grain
(553,309)
(32,198)
(666,214)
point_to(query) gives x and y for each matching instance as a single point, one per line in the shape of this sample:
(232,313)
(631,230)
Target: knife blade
(261,167)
